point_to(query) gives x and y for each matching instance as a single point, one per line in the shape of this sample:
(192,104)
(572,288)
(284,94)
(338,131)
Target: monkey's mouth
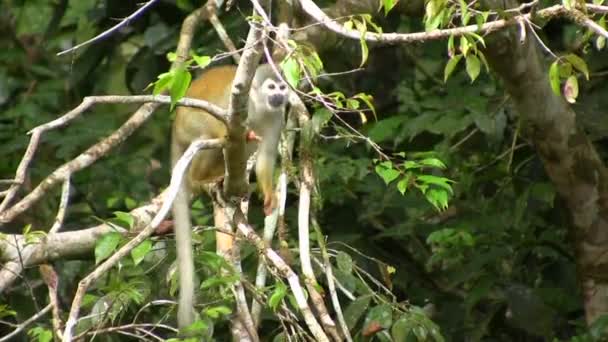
(276,100)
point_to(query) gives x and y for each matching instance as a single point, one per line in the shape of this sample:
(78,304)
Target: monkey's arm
(264,166)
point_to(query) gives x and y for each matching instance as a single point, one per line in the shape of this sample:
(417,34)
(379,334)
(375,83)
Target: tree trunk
(568,155)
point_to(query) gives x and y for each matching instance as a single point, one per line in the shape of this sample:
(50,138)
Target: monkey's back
(191,123)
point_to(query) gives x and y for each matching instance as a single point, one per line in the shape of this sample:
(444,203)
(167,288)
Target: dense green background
(496,266)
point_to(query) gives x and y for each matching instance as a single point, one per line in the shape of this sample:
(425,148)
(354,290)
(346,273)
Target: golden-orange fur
(265,112)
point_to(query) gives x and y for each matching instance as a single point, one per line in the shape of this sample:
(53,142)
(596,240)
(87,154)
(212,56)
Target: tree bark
(569,158)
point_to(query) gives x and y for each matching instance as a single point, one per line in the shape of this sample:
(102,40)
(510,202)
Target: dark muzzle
(276,100)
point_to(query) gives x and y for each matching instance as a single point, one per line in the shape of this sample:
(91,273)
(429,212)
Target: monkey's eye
(283,87)
(271,86)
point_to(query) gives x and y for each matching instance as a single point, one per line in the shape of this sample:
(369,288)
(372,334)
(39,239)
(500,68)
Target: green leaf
(464,45)
(280,291)
(199,327)
(140,251)
(473,67)
(479,39)
(320,118)
(217,311)
(352,104)
(367,99)
(435,22)
(345,262)
(6,311)
(479,20)
(180,84)
(201,61)
(450,66)
(40,334)
(420,333)
(212,260)
(401,329)
(126,218)
(130,203)
(436,180)
(106,245)
(464,11)
(571,89)
(385,129)
(387,172)
(219,281)
(171,56)
(438,198)
(451,50)
(355,310)
(381,315)
(291,70)
(411,164)
(434,162)
(162,83)
(404,183)
(565,70)
(364,48)
(388,5)
(554,77)
(578,63)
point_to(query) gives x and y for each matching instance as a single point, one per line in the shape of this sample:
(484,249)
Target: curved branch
(399,38)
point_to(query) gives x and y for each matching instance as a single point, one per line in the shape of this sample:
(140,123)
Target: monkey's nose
(276,100)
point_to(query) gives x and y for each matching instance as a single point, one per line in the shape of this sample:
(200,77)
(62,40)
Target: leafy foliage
(440,221)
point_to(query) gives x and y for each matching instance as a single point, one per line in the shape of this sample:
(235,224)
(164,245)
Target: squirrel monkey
(265,116)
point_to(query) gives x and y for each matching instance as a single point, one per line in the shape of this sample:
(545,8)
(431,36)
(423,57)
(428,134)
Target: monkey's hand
(252,136)
(270,203)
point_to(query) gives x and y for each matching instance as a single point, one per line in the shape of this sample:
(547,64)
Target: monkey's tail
(185,262)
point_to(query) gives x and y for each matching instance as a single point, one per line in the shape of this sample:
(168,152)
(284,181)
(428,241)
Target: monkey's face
(274,93)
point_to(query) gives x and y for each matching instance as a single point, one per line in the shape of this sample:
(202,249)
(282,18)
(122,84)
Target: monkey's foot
(251,136)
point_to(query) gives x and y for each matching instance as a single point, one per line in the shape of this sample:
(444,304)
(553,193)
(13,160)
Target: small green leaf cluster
(301,62)
(567,68)
(467,48)
(360,22)
(436,189)
(177,80)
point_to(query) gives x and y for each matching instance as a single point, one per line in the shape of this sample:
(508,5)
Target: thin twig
(307,181)
(51,279)
(329,277)
(221,31)
(114,28)
(63,204)
(286,272)
(27,322)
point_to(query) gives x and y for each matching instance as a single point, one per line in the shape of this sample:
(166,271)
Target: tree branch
(399,38)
